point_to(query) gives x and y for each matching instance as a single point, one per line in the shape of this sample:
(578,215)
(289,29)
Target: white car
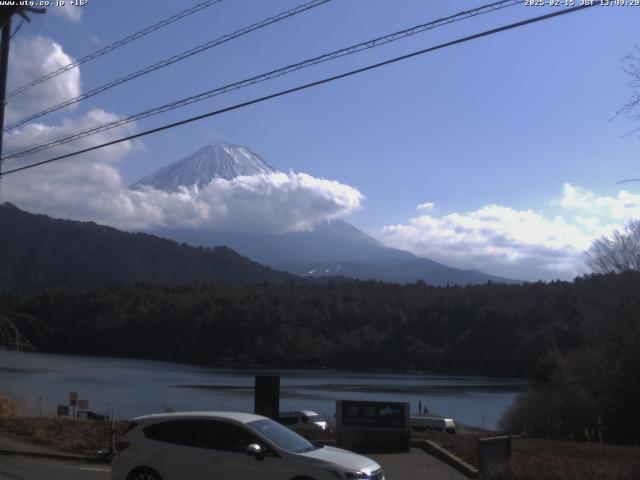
(438,424)
(303,421)
(228,446)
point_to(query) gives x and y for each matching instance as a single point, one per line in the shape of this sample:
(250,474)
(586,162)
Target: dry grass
(548,460)
(65,434)
(8,407)
(554,460)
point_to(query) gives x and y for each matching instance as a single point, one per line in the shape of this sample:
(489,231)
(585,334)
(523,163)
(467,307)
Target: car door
(227,457)
(176,449)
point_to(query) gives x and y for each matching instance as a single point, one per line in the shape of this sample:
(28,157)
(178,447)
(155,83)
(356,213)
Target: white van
(303,421)
(438,424)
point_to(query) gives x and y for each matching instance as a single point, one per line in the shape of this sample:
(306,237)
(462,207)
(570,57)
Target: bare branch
(617,253)
(12,328)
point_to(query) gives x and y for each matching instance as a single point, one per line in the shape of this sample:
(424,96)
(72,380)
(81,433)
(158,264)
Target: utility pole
(4,65)
(5,19)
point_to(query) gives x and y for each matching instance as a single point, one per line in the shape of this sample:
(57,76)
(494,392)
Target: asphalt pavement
(19,467)
(415,465)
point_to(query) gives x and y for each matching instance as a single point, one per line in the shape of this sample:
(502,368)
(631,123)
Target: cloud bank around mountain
(90,187)
(524,244)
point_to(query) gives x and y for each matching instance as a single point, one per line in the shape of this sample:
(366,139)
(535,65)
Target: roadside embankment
(82,437)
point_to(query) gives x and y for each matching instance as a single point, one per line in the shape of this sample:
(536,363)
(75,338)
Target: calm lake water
(130,387)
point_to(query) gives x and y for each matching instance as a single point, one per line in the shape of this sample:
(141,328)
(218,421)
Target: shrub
(8,407)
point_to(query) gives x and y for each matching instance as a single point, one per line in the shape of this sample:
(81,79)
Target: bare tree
(631,109)
(12,326)
(619,252)
(631,66)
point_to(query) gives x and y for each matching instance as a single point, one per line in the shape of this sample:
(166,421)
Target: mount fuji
(331,248)
(221,160)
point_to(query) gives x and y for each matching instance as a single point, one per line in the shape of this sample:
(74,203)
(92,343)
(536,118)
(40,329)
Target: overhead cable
(369,44)
(111,47)
(308,85)
(171,60)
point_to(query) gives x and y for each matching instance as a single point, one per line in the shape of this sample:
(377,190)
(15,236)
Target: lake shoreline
(240,366)
(133,387)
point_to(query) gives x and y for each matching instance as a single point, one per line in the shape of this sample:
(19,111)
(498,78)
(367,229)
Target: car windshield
(281,436)
(314,418)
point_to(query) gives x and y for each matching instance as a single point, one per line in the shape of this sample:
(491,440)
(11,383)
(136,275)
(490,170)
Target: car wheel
(144,474)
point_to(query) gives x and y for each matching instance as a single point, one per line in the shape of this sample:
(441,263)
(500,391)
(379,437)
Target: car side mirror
(255,450)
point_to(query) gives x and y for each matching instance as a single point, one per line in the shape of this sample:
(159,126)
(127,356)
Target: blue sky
(510,137)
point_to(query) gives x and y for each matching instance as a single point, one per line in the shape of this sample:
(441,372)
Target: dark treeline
(580,340)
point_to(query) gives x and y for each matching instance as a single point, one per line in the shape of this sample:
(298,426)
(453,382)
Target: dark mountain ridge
(37,251)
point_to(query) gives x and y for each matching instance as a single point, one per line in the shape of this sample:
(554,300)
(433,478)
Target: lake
(129,387)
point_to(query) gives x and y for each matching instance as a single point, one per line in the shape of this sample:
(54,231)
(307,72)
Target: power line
(174,59)
(369,44)
(310,85)
(109,48)
(17,29)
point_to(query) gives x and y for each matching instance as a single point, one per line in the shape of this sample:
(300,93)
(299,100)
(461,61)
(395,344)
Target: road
(18,467)
(415,465)
(404,466)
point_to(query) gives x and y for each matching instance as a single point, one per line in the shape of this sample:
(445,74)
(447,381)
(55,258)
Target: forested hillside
(39,252)
(492,329)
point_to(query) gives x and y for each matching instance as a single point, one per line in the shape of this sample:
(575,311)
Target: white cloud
(68,11)
(426,207)
(95,39)
(33,134)
(31,58)
(521,244)
(265,203)
(576,198)
(89,187)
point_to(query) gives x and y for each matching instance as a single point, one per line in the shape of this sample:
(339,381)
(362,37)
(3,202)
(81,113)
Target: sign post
(73,401)
(267,396)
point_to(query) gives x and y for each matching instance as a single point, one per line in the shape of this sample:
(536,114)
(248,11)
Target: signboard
(83,404)
(73,398)
(63,410)
(373,414)
(373,426)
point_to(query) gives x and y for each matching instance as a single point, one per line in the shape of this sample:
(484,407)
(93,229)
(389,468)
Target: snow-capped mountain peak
(222,160)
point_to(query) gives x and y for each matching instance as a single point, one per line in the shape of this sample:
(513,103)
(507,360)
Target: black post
(4,66)
(267,396)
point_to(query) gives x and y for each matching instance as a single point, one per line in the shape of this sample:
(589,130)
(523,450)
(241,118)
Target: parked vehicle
(228,446)
(90,415)
(438,424)
(304,421)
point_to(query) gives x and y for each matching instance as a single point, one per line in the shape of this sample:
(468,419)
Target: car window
(281,436)
(288,420)
(178,432)
(220,435)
